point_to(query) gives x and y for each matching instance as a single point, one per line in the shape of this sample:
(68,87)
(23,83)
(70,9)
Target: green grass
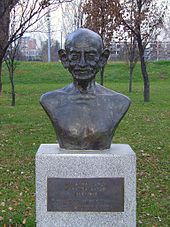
(146,127)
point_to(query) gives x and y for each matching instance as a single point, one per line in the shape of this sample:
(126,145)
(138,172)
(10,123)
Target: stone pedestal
(115,167)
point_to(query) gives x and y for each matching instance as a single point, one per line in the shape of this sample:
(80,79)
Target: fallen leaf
(1,218)
(24,221)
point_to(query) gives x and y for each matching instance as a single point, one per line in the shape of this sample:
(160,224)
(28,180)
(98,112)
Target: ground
(146,127)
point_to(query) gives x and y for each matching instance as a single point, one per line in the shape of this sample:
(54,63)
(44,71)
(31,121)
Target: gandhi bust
(84,114)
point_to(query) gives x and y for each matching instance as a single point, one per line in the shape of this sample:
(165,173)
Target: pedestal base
(116,165)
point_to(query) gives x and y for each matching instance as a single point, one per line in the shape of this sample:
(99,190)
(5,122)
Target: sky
(56,27)
(41,33)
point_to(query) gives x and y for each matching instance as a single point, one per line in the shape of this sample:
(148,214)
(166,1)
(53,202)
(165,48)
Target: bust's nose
(82,62)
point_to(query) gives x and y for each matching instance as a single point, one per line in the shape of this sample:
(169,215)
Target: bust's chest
(85,117)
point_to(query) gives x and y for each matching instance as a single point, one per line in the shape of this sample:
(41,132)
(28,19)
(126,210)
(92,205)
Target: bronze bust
(84,114)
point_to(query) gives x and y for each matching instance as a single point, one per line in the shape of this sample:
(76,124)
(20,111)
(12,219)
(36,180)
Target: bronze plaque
(85,194)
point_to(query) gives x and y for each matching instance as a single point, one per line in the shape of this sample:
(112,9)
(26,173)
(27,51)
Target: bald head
(83,55)
(84,37)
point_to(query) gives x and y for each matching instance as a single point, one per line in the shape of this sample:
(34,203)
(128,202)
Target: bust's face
(83,54)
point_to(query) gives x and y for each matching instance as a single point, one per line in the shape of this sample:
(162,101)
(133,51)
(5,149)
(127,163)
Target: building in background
(155,51)
(158,51)
(117,51)
(29,50)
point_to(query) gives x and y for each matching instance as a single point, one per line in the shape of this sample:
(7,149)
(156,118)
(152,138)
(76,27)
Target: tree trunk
(13,87)
(144,71)
(102,76)
(0,77)
(13,93)
(4,33)
(131,68)
(146,81)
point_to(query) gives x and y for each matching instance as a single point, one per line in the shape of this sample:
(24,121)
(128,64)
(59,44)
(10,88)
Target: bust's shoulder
(56,95)
(49,95)
(113,95)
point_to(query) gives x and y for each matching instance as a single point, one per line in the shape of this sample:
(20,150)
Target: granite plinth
(117,162)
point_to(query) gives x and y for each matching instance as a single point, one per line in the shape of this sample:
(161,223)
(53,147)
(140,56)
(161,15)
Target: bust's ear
(104,57)
(63,57)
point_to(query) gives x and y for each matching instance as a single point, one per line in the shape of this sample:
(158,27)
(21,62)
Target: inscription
(85,194)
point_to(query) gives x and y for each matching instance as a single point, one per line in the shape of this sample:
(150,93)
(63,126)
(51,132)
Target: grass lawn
(146,127)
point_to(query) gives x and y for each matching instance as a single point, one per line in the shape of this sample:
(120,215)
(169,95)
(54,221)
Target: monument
(85,180)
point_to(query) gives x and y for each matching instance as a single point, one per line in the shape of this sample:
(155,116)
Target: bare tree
(130,41)
(144,19)
(133,56)
(72,16)
(130,49)
(11,65)
(11,54)
(28,13)
(5,7)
